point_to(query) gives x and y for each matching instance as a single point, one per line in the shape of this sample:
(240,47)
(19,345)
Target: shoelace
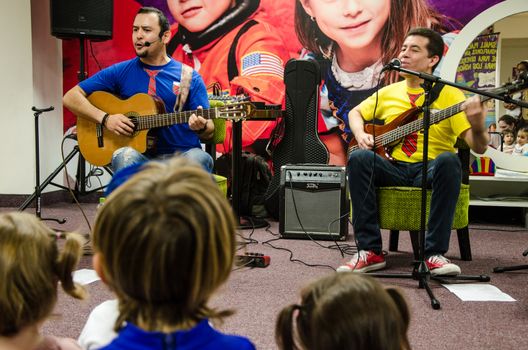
(438,258)
(361,255)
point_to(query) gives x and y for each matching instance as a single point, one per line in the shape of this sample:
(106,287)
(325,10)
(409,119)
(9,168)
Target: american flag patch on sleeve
(262,63)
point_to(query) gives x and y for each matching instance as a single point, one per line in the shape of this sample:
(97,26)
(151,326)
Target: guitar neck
(417,124)
(146,122)
(267,114)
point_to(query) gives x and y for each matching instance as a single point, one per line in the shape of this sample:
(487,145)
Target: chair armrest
(219,132)
(219,124)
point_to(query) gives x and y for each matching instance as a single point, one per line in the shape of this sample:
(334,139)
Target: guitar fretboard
(165,119)
(416,125)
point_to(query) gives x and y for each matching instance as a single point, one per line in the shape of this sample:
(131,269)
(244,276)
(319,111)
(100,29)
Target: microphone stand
(420,271)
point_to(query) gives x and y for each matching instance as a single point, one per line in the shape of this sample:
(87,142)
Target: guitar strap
(185,84)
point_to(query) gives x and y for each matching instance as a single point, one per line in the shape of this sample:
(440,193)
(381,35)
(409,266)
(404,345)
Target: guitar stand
(38,187)
(499,269)
(420,271)
(244,223)
(80,188)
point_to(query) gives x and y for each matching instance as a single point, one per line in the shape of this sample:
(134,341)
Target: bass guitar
(146,112)
(388,135)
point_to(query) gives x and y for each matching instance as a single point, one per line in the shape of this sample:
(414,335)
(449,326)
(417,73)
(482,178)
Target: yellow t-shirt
(393,100)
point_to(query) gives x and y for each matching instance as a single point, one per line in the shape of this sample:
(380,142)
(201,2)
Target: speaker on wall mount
(313,202)
(90,19)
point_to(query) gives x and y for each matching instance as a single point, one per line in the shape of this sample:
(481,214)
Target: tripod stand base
(423,276)
(59,221)
(510,268)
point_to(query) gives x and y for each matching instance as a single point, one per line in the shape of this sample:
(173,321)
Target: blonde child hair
(345,311)
(31,265)
(164,242)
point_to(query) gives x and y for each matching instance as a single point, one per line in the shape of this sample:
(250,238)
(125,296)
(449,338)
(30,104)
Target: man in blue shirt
(157,74)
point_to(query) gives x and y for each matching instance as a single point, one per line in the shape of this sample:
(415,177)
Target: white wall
(31,66)
(514,47)
(513,27)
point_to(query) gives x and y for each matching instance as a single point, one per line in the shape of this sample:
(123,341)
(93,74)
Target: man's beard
(142,54)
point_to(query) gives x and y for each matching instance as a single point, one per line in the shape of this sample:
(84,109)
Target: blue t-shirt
(203,337)
(128,78)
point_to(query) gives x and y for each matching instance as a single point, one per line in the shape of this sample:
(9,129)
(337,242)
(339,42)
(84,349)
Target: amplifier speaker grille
(313,202)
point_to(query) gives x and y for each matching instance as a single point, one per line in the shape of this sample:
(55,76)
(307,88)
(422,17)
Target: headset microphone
(147,43)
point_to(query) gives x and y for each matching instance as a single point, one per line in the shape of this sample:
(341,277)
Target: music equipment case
(300,143)
(313,202)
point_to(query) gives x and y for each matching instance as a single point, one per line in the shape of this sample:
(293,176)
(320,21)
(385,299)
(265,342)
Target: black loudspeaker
(300,143)
(90,19)
(313,202)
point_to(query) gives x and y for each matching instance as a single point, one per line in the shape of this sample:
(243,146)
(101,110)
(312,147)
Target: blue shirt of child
(202,336)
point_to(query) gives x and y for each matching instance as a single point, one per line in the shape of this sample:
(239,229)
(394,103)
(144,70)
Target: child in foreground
(345,311)
(164,242)
(31,266)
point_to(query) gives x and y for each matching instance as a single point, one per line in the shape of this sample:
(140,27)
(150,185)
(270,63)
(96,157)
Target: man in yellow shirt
(421,52)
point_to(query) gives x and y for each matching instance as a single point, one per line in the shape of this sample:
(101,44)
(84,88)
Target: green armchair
(395,217)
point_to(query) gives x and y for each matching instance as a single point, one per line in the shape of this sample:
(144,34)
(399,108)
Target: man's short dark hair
(435,47)
(508,119)
(162,19)
(524,63)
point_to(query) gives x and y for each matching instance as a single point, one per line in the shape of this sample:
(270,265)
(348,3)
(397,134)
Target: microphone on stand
(394,63)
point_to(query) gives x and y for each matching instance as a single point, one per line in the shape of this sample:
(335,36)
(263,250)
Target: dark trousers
(368,171)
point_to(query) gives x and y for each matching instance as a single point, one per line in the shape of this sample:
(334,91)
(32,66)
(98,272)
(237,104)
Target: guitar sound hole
(135,121)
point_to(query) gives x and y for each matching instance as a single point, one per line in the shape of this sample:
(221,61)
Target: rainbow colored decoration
(483,166)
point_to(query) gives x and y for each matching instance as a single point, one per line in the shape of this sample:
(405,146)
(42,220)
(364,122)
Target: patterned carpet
(257,294)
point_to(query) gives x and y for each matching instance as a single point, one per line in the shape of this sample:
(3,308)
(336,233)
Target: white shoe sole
(373,267)
(447,270)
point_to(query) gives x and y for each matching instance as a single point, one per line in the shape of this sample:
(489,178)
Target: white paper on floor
(85,276)
(478,292)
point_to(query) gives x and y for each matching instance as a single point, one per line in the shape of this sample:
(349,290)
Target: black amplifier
(313,202)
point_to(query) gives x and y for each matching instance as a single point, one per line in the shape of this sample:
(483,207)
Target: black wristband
(202,130)
(105,118)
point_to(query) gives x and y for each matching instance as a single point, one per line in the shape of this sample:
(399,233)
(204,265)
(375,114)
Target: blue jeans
(127,156)
(367,171)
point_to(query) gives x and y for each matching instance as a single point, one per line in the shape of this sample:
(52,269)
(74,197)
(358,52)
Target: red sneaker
(363,261)
(439,265)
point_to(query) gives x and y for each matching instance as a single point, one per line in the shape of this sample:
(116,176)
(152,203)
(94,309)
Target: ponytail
(403,309)
(67,261)
(284,328)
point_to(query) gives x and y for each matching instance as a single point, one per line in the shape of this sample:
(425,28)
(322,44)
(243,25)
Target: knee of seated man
(201,157)
(124,156)
(360,156)
(448,159)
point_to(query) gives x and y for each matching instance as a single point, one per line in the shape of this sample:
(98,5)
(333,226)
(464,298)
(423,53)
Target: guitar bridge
(99,134)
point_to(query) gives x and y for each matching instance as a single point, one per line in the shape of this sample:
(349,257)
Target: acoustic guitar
(389,135)
(97,144)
